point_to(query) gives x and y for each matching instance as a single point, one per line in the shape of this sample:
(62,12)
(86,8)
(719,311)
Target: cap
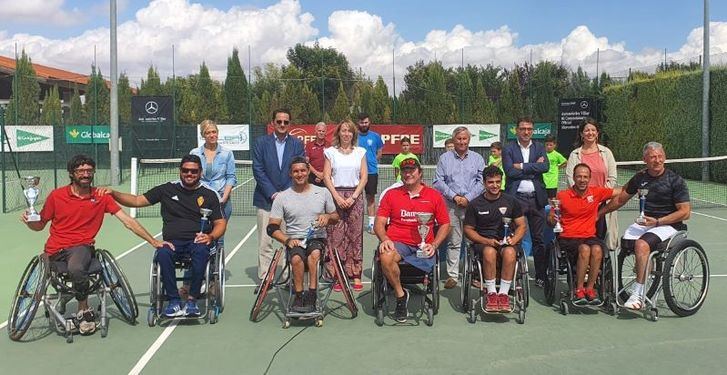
(410,163)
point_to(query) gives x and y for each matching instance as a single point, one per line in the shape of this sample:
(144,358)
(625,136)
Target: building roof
(45,73)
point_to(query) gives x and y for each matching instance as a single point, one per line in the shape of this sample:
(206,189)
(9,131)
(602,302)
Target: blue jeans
(199,255)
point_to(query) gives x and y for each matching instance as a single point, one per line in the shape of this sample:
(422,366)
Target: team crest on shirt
(589,198)
(370,142)
(483,212)
(200,201)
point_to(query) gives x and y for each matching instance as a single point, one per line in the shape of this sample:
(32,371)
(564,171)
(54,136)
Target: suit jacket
(532,170)
(269,177)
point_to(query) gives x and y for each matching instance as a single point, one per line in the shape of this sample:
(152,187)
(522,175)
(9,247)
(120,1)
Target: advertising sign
(571,113)
(235,137)
(390,134)
(482,134)
(29,138)
(540,130)
(153,110)
(87,134)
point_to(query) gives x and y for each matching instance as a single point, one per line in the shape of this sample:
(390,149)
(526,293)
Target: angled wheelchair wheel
(120,289)
(155,294)
(551,274)
(524,280)
(341,278)
(626,274)
(217,281)
(686,278)
(28,297)
(265,285)
(466,272)
(376,280)
(435,288)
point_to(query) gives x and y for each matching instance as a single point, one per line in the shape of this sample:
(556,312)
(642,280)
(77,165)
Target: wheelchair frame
(471,266)
(213,288)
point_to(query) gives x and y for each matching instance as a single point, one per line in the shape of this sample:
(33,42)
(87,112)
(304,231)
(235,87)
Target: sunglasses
(282,122)
(189,170)
(84,171)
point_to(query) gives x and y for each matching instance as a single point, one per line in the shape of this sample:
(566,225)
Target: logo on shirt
(644,183)
(589,198)
(370,142)
(483,212)
(200,201)
(175,198)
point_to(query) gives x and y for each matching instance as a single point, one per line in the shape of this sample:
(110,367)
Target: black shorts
(372,185)
(313,244)
(479,247)
(570,245)
(552,192)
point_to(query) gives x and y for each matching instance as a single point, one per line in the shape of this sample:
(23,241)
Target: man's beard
(84,184)
(192,185)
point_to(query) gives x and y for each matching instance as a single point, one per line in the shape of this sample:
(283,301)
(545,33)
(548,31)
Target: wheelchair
(105,279)
(212,292)
(472,298)
(562,265)
(678,266)
(411,277)
(282,281)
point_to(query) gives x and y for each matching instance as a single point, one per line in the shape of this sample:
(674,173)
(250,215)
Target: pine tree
(52,114)
(152,85)
(311,106)
(341,108)
(381,102)
(236,90)
(77,115)
(206,106)
(124,97)
(23,108)
(98,105)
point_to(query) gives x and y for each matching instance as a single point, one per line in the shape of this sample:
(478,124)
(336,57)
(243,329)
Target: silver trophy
(423,219)
(556,213)
(32,192)
(506,226)
(204,222)
(642,204)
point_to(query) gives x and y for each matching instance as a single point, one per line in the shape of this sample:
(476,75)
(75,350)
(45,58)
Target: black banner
(571,113)
(154,110)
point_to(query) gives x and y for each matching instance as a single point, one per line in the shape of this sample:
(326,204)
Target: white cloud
(40,12)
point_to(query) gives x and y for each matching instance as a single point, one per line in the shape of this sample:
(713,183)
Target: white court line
(168,330)
(709,216)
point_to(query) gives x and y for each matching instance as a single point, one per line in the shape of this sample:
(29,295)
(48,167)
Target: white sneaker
(86,322)
(634,302)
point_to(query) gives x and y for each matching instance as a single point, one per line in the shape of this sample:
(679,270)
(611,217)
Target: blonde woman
(345,175)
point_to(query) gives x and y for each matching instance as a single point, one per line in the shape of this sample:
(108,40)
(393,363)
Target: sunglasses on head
(282,122)
(190,170)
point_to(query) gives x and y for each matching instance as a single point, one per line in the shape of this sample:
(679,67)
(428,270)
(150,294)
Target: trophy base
(33,217)
(640,221)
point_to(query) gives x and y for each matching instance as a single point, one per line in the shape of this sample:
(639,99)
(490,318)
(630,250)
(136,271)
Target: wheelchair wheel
(155,294)
(627,274)
(524,280)
(375,285)
(551,274)
(466,272)
(341,278)
(28,296)
(121,291)
(265,285)
(435,288)
(217,281)
(604,283)
(686,278)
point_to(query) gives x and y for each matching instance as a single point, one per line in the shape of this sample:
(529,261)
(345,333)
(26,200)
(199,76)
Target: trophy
(311,230)
(556,213)
(32,192)
(642,203)
(506,225)
(205,221)
(423,218)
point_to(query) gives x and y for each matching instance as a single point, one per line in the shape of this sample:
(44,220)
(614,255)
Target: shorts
(313,244)
(551,192)
(372,185)
(652,235)
(570,245)
(479,247)
(408,254)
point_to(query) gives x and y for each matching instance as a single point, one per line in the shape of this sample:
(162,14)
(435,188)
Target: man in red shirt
(314,153)
(400,240)
(579,211)
(75,212)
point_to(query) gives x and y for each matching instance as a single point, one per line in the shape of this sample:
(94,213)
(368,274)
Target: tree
(437,105)
(341,108)
(52,113)
(23,108)
(511,102)
(381,103)
(124,97)
(208,103)
(77,115)
(236,99)
(483,109)
(98,104)
(152,85)
(465,97)
(311,107)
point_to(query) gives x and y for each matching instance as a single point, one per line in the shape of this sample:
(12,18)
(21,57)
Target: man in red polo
(401,240)
(314,153)
(579,211)
(76,212)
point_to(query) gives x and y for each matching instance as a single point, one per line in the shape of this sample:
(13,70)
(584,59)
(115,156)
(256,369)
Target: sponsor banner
(540,130)
(153,110)
(29,138)
(87,134)
(390,134)
(571,113)
(235,137)
(482,134)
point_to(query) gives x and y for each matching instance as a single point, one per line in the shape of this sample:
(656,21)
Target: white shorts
(635,231)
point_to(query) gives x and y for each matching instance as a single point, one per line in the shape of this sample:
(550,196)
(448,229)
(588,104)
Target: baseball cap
(410,163)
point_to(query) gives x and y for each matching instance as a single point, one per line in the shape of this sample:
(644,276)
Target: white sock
(505,286)
(638,288)
(490,285)
(371,220)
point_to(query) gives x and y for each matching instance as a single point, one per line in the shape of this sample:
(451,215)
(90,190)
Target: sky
(379,37)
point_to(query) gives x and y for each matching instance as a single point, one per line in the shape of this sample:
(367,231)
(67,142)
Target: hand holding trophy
(642,204)
(506,227)
(423,219)
(31,193)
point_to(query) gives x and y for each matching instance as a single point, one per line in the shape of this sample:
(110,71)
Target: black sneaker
(540,283)
(309,300)
(298,304)
(401,312)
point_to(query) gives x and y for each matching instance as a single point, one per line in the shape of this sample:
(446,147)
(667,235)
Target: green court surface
(548,343)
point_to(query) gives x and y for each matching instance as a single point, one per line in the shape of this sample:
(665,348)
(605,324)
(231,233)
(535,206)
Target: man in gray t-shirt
(302,206)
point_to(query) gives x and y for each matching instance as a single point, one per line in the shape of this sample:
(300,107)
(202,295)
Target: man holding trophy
(664,206)
(575,212)
(187,207)
(411,212)
(488,223)
(76,213)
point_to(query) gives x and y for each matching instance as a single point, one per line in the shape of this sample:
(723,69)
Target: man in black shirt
(483,225)
(181,202)
(667,206)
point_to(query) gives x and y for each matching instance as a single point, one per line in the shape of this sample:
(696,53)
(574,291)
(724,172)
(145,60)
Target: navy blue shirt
(180,209)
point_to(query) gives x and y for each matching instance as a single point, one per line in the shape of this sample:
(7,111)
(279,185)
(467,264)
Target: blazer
(531,169)
(269,177)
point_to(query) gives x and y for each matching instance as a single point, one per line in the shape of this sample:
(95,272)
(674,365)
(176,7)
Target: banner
(235,137)
(391,135)
(87,134)
(540,130)
(571,113)
(29,138)
(482,134)
(153,110)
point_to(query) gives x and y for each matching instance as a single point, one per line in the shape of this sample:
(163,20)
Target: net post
(134,183)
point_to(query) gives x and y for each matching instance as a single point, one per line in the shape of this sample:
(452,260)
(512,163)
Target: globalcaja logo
(24,138)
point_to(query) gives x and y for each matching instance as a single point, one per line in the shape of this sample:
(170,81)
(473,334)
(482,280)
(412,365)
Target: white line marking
(168,330)
(709,216)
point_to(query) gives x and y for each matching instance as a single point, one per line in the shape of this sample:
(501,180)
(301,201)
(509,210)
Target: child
(557,161)
(495,159)
(449,144)
(404,154)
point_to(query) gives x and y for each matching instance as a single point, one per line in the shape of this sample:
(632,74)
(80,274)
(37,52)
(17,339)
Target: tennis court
(547,343)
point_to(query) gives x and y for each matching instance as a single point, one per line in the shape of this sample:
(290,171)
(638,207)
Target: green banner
(87,134)
(540,130)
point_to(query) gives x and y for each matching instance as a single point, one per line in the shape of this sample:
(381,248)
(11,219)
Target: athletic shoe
(492,303)
(579,299)
(357,287)
(370,228)
(174,309)
(504,301)
(86,322)
(592,297)
(401,312)
(634,302)
(309,300)
(191,309)
(450,283)
(337,287)
(298,304)
(540,283)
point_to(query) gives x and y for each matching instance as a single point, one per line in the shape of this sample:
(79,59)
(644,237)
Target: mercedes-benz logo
(151,107)
(584,104)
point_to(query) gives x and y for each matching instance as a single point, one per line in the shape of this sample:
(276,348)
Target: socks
(638,288)
(490,285)
(505,286)
(371,220)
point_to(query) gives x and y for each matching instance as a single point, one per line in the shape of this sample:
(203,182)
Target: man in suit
(271,157)
(525,162)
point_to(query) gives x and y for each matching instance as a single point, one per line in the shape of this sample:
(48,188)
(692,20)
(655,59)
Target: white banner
(482,134)
(234,137)
(29,138)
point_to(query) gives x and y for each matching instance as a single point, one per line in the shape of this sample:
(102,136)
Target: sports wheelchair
(678,265)
(105,278)
(283,283)
(410,278)
(563,265)
(472,297)
(212,292)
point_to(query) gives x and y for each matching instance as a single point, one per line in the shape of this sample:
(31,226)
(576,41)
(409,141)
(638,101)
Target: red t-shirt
(74,220)
(314,152)
(400,208)
(578,214)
